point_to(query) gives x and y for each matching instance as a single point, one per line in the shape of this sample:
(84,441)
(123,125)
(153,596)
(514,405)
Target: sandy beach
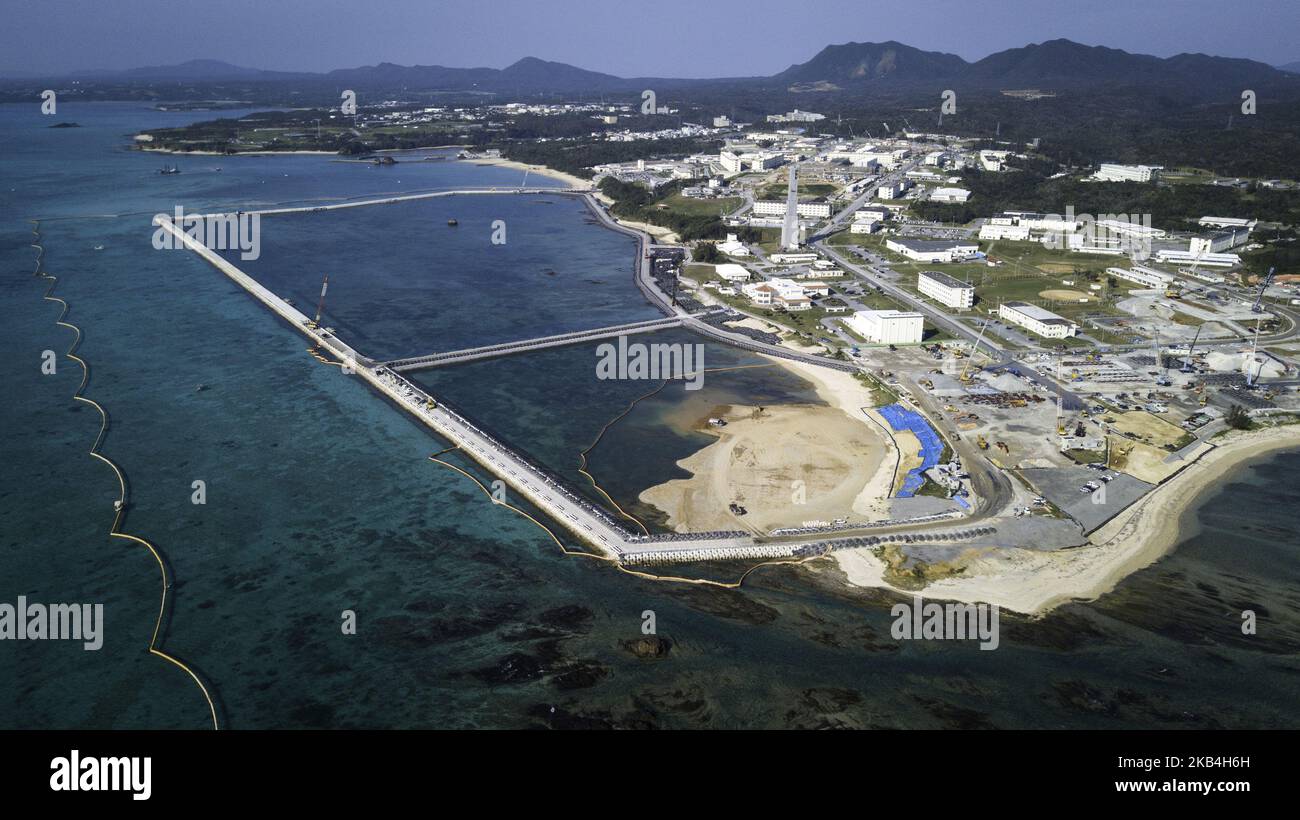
(787,465)
(568,179)
(1033,582)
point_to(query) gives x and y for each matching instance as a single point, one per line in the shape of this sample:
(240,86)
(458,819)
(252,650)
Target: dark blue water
(404,283)
(320,499)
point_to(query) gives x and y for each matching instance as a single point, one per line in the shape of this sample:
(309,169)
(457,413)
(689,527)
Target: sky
(629,38)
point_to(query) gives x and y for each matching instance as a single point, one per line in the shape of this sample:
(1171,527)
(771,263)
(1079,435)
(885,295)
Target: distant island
(66,125)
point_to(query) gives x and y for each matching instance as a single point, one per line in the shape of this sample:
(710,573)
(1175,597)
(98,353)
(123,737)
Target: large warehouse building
(887,326)
(933,250)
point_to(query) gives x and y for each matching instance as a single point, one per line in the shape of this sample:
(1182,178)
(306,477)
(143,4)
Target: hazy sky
(673,38)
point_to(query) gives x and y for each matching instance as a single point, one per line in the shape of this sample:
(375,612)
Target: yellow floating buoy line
(607,559)
(119,506)
(316,354)
(582,456)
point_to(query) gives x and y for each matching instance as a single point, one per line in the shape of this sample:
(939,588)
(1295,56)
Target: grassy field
(689,206)
(807,190)
(1029,271)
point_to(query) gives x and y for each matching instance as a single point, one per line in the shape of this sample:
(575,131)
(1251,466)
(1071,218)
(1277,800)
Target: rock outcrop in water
(649,646)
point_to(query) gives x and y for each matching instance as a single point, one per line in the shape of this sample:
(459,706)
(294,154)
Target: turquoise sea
(320,497)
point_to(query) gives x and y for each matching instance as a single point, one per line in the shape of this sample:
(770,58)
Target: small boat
(199,388)
(99,247)
(451,223)
(168,170)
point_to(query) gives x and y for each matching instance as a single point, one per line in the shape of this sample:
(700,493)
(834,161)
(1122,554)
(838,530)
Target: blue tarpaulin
(900,418)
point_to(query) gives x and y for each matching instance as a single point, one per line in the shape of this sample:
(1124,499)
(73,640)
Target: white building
(1130,227)
(949,195)
(792,258)
(732,272)
(1215,260)
(807,210)
(796,116)
(887,326)
(926,250)
(735,163)
(895,190)
(733,247)
(1014,233)
(1226,222)
(790,294)
(1144,276)
(865,226)
(1219,242)
(1114,172)
(1053,223)
(993,160)
(945,289)
(1204,276)
(721,122)
(1035,319)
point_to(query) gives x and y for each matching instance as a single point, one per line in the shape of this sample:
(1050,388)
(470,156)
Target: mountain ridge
(1052,63)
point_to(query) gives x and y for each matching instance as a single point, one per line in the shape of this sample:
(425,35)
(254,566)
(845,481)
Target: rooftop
(944,279)
(933,244)
(1035,312)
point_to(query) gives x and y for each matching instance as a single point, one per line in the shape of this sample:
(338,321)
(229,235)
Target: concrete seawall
(586,521)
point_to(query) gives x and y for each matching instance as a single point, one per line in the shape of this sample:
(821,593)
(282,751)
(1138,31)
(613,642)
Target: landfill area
(1150,315)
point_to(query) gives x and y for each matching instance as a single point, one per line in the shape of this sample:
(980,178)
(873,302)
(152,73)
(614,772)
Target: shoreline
(754,459)
(1034,583)
(174,152)
(561,176)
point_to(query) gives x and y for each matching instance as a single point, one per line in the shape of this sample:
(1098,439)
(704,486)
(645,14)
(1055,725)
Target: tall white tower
(790,228)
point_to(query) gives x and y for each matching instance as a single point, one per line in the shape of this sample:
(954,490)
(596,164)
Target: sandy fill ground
(787,465)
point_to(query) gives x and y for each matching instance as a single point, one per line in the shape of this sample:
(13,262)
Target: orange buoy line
(119,506)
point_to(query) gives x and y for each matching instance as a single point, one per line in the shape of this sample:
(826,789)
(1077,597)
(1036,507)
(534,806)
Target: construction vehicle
(1187,363)
(1173,292)
(982,442)
(1256,308)
(320,306)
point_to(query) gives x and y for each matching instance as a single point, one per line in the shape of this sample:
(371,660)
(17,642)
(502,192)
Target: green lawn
(807,190)
(689,206)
